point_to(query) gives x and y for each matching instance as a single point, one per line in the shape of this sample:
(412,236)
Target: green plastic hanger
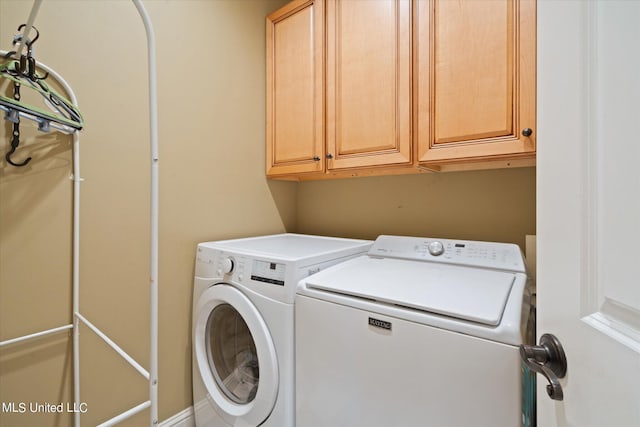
(63,115)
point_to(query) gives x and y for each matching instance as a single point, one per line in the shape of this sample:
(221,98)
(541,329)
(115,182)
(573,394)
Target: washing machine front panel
(362,368)
(235,355)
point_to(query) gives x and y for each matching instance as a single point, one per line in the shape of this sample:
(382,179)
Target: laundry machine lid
(472,294)
(291,246)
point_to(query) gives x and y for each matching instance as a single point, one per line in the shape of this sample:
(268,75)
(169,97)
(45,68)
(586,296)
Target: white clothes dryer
(243,324)
(418,332)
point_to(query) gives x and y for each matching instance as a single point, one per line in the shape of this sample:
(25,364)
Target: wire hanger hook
(15,141)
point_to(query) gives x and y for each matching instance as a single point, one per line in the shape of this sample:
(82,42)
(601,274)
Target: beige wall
(494,205)
(211,111)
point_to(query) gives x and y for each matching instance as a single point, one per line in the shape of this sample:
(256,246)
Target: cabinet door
(368,83)
(295,128)
(475,71)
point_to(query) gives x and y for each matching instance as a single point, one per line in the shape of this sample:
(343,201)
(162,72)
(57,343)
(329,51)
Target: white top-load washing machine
(243,350)
(418,332)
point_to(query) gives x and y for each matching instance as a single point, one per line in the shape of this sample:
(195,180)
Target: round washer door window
(232,354)
(235,355)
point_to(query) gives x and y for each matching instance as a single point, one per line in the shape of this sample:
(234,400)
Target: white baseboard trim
(183,418)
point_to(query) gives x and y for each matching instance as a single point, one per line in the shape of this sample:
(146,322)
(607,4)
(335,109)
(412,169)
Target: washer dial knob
(436,248)
(227,265)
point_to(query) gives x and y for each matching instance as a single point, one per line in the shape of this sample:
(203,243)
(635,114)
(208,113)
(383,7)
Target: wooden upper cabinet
(475,79)
(358,87)
(295,98)
(368,83)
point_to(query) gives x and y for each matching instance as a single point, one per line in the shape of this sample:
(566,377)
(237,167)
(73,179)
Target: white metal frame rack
(152,374)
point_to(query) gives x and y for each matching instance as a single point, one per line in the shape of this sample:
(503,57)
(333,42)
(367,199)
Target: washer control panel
(215,263)
(268,272)
(504,256)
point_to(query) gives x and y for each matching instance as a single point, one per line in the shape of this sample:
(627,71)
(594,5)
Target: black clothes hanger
(22,72)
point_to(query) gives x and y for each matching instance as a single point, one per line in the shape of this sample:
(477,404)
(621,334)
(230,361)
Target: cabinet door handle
(316,158)
(547,359)
(329,156)
(527,132)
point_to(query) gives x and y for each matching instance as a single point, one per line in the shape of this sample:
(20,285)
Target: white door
(589,207)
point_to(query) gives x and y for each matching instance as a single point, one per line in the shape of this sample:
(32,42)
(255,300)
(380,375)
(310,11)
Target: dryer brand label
(380,323)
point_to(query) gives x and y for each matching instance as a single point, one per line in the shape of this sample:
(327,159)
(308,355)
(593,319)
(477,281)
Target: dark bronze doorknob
(547,359)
